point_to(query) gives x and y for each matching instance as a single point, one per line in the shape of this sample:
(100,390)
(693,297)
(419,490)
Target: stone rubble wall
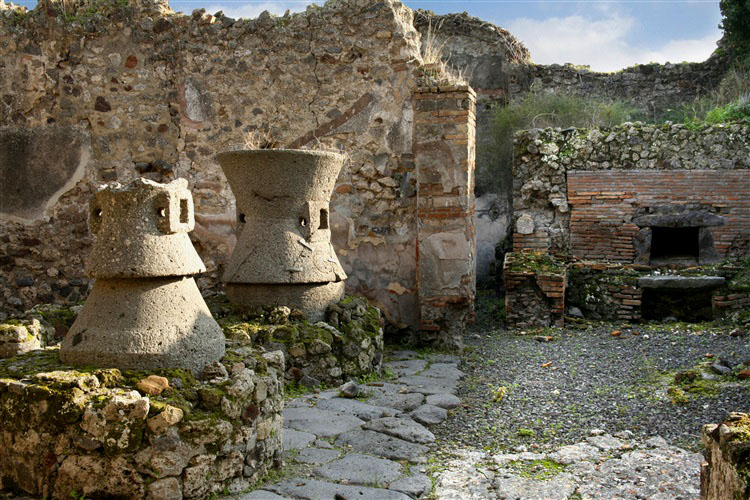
(67,433)
(349,345)
(724,474)
(141,91)
(653,87)
(578,190)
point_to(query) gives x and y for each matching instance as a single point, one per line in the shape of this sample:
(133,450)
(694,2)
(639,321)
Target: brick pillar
(444,152)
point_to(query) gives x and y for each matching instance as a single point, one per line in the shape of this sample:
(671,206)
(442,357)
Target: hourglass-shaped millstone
(145,310)
(284,254)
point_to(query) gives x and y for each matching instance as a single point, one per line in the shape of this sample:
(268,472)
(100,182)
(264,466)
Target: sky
(605,34)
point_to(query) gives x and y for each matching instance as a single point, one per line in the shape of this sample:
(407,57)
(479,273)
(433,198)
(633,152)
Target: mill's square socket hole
(323,218)
(183,211)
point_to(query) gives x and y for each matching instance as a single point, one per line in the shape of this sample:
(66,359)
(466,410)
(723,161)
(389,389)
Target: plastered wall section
(156,94)
(444,154)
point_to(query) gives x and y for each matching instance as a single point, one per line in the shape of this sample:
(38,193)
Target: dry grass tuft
(436,67)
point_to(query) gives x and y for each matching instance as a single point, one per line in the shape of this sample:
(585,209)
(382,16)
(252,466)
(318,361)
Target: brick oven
(653,220)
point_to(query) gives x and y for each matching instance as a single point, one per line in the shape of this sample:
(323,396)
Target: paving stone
(316,456)
(312,489)
(357,408)
(360,469)
(415,485)
(464,478)
(402,428)
(403,402)
(322,423)
(559,487)
(506,458)
(403,354)
(406,367)
(658,474)
(656,442)
(605,442)
(295,440)
(381,445)
(260,495)
(445,358)
(312,398)
(429,414)
(578,452)
(319,443)
(428,385)
(443,370)
(385,388)
(447,401)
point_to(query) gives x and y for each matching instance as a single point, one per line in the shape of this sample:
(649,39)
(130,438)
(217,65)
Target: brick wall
(533,298)
(603,204)
(444,142)
(727,302)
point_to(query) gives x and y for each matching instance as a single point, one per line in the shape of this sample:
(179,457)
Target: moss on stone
(740,282)
(536,262)
(539,470)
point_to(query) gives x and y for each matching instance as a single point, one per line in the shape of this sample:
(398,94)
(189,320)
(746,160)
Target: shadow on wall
(37,166)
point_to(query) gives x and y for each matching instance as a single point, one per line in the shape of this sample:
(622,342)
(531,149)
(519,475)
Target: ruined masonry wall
(533,299)
(145,92)
(65,433)
(576,191)
(653,87)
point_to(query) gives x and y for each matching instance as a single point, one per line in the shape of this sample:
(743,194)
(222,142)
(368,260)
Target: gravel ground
(557,391)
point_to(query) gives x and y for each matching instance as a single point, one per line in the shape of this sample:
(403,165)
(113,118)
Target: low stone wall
(349,345)
(20,337)
(71,433)
(725,474)
(534,290)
